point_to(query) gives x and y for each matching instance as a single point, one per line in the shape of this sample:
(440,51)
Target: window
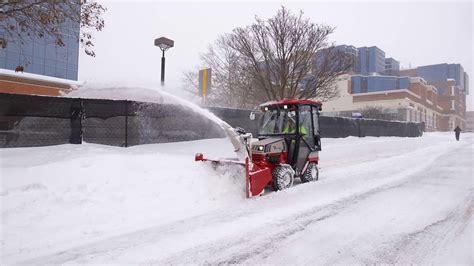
(37,69)
(11,63)
(306,125)
(60,73)
(71,74)
(38,50)
(316,121)
(50,63)
(278,121)
(50,71)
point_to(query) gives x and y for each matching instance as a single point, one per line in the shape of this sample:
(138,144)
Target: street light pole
(164,44)
(163,69)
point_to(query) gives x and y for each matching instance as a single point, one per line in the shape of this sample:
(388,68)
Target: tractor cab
(287,147)
(297,122)
(289,141)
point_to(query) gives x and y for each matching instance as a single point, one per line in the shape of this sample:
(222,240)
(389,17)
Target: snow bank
(62,197)
(52,195)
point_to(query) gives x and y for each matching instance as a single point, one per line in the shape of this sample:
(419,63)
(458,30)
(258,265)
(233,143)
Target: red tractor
(287,147)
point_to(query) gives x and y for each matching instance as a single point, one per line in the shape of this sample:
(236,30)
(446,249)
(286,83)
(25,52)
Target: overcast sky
(415,33)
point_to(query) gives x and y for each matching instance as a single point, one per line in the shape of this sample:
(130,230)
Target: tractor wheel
(283,177)
(311,173)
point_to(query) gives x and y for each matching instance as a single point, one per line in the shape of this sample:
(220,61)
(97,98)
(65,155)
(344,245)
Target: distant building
(349,50)
(408,97)
(453,86)
(403,99)
(469,121)
(352,52)
(392,67)
(362,84)
(371,60)
(438,75)
(43,56)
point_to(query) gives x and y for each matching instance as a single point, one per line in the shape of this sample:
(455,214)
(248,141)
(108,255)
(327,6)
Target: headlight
(260,148)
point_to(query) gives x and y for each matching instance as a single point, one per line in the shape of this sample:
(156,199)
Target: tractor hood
(269,145)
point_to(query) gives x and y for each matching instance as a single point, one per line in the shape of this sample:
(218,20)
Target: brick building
(433,94)
(469,121)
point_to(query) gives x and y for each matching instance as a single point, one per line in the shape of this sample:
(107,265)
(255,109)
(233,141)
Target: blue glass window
(61,64)
(50,63)
(42,55)
(50,52)
(11,63)
(50,71)
(37,69)
(61,73)
(71,74)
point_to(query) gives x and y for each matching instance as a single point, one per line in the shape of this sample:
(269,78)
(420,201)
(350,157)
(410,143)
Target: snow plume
(140,94)
(143,94)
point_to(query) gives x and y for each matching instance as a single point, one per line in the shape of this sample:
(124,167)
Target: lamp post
(164,44)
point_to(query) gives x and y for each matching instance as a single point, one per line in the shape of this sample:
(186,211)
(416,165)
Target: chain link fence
(28,121)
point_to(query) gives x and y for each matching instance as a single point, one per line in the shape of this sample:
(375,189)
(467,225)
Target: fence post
(126,123)
(76,115)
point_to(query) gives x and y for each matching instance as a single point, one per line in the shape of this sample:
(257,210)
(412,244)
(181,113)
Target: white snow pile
(153,204)
(65,195)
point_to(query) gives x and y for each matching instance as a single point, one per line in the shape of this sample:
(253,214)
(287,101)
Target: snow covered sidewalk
(387,200)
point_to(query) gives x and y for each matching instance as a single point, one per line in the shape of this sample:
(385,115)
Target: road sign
(205,77)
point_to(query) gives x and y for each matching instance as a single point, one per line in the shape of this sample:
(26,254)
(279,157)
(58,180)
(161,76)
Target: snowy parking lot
(378,200)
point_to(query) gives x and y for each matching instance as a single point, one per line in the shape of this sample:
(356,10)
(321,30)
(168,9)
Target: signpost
(205,77)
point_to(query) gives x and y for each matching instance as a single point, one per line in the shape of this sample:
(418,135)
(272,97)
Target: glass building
(441,72)
(392,67)
(363,84)
(371,60)
(42,55)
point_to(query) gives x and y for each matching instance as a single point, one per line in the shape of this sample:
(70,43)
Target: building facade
(362,84)
(415,102)
(439,74)
(392,67)
(469,121)
(43,56)
(371,60)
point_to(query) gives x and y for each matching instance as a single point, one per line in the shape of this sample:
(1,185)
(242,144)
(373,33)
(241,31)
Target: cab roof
(290,101)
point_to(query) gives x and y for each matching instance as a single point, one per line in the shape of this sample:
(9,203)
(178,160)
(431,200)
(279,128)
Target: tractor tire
(311,173)
(283,177)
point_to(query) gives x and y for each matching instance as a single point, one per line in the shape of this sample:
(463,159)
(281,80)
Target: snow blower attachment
(287,147)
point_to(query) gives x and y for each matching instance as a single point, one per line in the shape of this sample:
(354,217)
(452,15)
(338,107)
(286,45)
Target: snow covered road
(379,200)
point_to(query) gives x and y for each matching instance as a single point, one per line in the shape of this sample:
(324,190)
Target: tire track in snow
(263,244)
(422,246)
(237,251)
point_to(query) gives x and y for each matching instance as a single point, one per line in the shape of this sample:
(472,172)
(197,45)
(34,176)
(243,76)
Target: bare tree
(373,112)
(231,84)
(286,56)
(21,19)
(280,53)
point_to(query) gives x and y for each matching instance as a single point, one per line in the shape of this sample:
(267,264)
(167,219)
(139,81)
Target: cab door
(317,132)
(306,139)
